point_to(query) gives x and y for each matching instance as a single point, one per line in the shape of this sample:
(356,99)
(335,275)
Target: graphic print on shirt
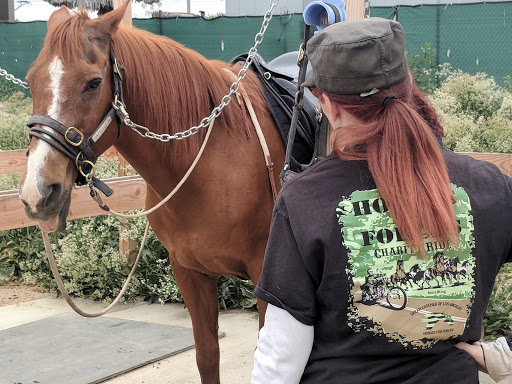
(395,293)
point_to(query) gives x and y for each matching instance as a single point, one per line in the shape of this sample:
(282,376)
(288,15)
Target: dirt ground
(16,292)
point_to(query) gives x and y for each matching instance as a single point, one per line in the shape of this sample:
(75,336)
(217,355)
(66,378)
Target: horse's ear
(57,16)
(110,21)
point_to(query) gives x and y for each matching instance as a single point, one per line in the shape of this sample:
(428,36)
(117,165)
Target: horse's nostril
(25,203)
(52,193)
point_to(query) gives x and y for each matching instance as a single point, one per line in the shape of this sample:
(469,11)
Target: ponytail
(405,160)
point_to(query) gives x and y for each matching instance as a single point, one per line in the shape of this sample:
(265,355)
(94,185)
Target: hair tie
(386,99)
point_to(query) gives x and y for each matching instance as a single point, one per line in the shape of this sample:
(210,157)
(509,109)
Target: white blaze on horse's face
(30,190)
(56,70)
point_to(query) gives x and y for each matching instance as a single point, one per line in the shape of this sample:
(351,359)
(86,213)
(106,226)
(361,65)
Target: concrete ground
(237,347)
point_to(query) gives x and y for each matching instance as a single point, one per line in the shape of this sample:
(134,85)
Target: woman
(382,257)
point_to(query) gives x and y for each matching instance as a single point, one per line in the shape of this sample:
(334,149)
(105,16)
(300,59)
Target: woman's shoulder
(329,171)
(466,169)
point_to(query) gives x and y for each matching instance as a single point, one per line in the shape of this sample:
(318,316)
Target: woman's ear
(328,107)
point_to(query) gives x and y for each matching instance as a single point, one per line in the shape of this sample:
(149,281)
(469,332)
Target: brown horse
(437,270)
(218,222)
(400,276)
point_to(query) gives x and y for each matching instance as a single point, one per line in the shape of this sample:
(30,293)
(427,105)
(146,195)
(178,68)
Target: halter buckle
(73,129)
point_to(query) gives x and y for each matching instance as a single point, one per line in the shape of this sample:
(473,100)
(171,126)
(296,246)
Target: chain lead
(16,81)
(145,132)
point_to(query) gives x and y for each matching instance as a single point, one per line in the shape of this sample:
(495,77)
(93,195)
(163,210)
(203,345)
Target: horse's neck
(174,82)
(146,89)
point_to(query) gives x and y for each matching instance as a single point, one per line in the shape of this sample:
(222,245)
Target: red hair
(426,110)
(404,158)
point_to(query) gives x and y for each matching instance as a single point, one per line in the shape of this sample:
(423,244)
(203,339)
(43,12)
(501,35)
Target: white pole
(188,6)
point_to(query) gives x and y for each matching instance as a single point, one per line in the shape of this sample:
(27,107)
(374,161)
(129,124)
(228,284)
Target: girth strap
(261,137)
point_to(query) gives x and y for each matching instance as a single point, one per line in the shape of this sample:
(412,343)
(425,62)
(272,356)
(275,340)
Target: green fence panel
(226,37)
(478,38)
(472,37)
(20,44)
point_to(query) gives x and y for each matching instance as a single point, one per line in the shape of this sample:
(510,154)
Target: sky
(41,10)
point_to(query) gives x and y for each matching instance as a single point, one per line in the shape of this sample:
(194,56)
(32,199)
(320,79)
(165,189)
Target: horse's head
(72,90)
(439,259)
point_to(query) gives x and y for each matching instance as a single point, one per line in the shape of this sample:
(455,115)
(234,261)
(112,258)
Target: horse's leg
(254,272)
(262,309)
(200,294)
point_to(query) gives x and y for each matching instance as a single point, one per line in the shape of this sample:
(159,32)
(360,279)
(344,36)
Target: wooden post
(7,10)
(126,246)
(127,19)
(354,9)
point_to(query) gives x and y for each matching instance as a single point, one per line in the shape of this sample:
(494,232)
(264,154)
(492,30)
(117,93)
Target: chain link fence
(472,37)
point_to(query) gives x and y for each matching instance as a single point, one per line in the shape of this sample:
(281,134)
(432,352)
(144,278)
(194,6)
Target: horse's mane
(166,76)
(65,39)
(172,87)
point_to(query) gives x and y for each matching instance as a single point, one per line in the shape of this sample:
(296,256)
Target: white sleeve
(283,349)
(498,359)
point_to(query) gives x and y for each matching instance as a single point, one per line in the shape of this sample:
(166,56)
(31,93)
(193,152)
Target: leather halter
(73,143)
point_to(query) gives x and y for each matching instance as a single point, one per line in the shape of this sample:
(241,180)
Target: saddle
(279,82)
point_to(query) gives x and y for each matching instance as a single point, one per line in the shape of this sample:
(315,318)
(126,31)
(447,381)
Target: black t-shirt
(335,260)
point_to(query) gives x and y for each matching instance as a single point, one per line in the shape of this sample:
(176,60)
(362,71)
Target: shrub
(423,67)
(7,88)
(497,321)
(475,95)
(475,112)
(22,256)
(14,114)
(508,83)
(505,110)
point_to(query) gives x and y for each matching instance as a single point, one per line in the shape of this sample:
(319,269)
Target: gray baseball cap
(357,57)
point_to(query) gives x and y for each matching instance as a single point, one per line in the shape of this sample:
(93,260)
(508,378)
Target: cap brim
(309,82)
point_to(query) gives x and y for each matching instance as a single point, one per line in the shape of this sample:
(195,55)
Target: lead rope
(51,258)
(105,207)
(64,291)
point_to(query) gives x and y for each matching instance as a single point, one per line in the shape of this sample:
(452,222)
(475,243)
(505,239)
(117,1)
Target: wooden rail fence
(129,191)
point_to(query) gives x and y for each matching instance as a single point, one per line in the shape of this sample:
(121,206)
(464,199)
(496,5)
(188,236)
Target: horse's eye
(92,85)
